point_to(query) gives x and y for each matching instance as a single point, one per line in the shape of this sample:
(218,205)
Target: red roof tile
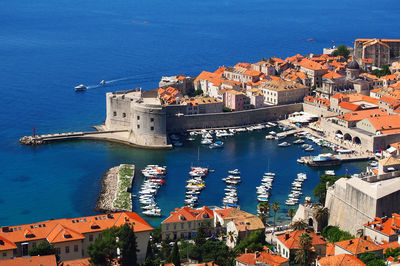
(49,260)
(341,260)
(358,245)
(261,257)
(291,240)
(188,214)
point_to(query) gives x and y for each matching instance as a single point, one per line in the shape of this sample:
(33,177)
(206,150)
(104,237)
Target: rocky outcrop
(29,140)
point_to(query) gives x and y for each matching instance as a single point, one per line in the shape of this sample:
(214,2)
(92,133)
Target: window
(152,128)
(138,126)
(67,249)
(90,238)
(58,251)
(181,225)
(4,254)
(76,249)
(115,113)
(124,115)
(174,226)
(152,119)
(189,224)
(138,117)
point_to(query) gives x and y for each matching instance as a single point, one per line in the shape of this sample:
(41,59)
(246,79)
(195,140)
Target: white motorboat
(273,133)
(153,212)
(80,87)
(102,82)
(300,160)
(284,144)
(310,148)
(299,141)
(206,141)
(234,172)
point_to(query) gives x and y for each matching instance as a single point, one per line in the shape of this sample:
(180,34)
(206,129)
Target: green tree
(226,109)
(275,207)
(156,234)
(321,215)
(44,248)
(291,214)
(299,225)
(264,208)
(165,249)
(382,72)
(127,244)
(175,258)
(152,255)
(264,59)
(200,237)
(305,254)
(254,242)
(104,249)
(342,51)
(371,259)
(334,234)
(390,252)
(198,92)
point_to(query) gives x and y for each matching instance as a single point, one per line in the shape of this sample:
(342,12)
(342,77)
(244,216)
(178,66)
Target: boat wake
(129,79)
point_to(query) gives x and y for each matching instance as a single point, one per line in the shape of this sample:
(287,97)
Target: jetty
(116,187)
(341,158)
(99,135)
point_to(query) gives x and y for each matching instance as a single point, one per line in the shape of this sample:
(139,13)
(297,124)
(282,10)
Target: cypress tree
(127,243)
(175,258)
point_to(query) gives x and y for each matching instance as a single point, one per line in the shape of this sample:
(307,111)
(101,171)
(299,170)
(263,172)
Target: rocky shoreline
(106,197)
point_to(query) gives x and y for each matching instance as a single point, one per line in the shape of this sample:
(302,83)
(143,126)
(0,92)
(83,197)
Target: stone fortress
(147,122)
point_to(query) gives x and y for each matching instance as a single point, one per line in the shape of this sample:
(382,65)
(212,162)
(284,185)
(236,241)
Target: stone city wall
(349,208)
(231,119)
(317,110)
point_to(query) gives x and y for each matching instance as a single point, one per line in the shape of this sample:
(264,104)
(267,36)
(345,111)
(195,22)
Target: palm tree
(231,236)
(275,207)
(321,215)
(299,225)
(305,254)
(264,208)
(291,213)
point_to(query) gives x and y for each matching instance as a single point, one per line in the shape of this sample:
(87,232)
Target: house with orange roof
(256,97)
(242,75)
(284,92)
(72,236)
(389,80)
(279,63)
(333,83)
(47,260)
(357,246)
(203,105)
(261,258)
(344,103)
(383,229)
(376,82)
(389,103)
(181,82)
(291,74)
(379,125)
(340,260)
(184,222)
(266,67)
(312,69)
(209,82)
(236,100)
(241,227)
(169,95)
(288,243)
(78,262)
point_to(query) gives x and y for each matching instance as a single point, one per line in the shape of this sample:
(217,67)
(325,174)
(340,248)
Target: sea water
(48,47)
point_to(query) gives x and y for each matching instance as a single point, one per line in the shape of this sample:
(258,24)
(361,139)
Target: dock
(308,160)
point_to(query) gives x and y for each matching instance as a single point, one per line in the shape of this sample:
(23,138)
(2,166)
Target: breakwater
(116,187)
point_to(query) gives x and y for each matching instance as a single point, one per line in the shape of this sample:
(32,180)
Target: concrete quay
(308,160)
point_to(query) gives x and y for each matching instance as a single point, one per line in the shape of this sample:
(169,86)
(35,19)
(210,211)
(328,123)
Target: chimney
(286,236)
(365,237)
(394,220)
(351,242)
(245,251)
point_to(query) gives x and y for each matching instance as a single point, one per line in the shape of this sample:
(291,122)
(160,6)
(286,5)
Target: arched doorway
(347,136)
(310,222)
(357,140)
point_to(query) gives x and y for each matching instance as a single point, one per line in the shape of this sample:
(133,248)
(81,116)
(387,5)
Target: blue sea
(48,47)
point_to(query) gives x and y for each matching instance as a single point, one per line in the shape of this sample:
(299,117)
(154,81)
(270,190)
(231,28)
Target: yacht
(206,141)
(310,148)
(102,82)
(283,144)
(153,212)
(80,87)
(299,141)
(234,172)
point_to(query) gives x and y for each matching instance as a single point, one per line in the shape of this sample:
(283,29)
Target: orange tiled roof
(360,115)
(358,245)
(332,75)
(295,58)
(261,257)
(188,214)
(291,240)
(367,60)
(6,244)
(330,249)
(78,262)
(349,106)
(243,65)
(387,226)
(386,123)
(48,260)
(385,245)
(60,233)
(82,225)
(396,145)
(322,101)
(253,73)
(340,260)
(390,77)
(307,63)
(393,102)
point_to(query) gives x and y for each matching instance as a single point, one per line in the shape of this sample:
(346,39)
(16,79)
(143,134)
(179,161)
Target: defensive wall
(230,119)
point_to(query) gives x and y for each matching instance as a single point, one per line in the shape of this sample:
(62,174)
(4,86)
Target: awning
(391,149)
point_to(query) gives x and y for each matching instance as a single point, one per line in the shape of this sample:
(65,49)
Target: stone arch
(357,140)
(347,136)
(339,132)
